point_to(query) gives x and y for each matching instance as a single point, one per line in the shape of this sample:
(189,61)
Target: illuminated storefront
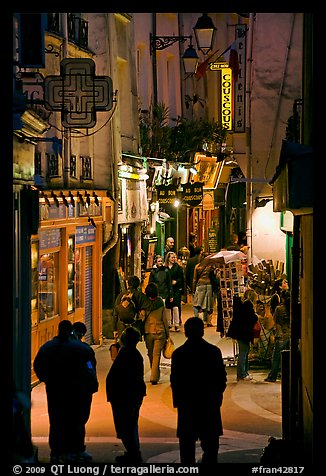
(66,267)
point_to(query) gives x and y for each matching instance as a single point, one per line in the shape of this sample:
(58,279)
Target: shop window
(48,285)
(71,274)
(34,295)
(78,275)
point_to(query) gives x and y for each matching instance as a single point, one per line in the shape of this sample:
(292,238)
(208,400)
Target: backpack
(126,309)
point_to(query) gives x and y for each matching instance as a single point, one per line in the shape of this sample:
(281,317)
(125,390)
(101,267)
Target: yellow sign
(226,98)
(218,66)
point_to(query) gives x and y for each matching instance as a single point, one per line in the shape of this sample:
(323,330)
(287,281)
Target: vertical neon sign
(226,98)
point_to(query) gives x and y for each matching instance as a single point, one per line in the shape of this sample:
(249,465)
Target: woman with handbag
(156,330)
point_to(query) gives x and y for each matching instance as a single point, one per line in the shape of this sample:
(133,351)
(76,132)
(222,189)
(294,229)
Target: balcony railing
(77,28)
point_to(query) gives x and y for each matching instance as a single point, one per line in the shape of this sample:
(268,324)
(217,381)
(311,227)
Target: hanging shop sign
(208,171)
(226,98)
(77,93)
(240,84)
(193,194)
(166,194)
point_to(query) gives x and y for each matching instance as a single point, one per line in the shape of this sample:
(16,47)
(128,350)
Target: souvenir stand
(261,277)
(232,283)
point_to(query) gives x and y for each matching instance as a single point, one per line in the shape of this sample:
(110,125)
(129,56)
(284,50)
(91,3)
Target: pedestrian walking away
(63,365)
(198,379)
(127,307)
(156,331)
(242,330)
(190,267)
(202,285)
(125,390)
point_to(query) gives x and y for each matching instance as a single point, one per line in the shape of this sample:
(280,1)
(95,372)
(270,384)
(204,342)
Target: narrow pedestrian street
(251,412)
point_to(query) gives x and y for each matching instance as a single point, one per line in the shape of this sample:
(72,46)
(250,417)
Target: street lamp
(176,205)
(204,33)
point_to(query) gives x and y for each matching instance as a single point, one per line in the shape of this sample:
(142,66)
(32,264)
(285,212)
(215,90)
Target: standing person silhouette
(198,380)
(242,330)
(190,267)
(203,291)
(125,390)
(282,334)
(80,329)
(62,364)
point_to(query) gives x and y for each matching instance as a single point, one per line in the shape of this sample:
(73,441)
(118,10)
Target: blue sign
(85,234)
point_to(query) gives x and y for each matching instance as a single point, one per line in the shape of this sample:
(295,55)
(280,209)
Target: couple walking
(196,395)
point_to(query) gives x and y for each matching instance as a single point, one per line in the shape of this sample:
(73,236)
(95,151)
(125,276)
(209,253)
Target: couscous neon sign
(226,98)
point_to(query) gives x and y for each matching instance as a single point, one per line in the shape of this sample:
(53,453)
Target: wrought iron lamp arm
(162,42)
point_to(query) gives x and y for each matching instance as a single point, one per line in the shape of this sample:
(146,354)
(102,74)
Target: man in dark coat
(62,363)
(190,267)
(198,380)
(125,390)
(80,329)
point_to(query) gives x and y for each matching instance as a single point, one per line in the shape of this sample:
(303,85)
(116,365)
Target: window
(78,276)
(34,292)
(71,273)
(48,285)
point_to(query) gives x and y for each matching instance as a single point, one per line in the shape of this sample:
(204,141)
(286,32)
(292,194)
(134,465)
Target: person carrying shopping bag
(156,330)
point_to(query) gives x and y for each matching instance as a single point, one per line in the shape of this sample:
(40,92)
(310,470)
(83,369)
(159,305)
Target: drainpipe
(65,135)
(249,206)
(115,137)
(154,60)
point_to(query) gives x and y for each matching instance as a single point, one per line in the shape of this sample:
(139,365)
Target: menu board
(212,240)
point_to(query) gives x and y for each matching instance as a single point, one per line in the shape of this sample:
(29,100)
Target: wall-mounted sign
(226,98)
(218,65)
(166,194)
(193,194)
(240,84)
(50,239)
(78,93)
(212,240)
(85,234)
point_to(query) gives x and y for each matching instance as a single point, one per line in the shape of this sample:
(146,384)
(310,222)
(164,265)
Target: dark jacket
(198,380)
(162,278)
(243,321)
(178,289)
(125,380)
(190,267)
(62,364)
